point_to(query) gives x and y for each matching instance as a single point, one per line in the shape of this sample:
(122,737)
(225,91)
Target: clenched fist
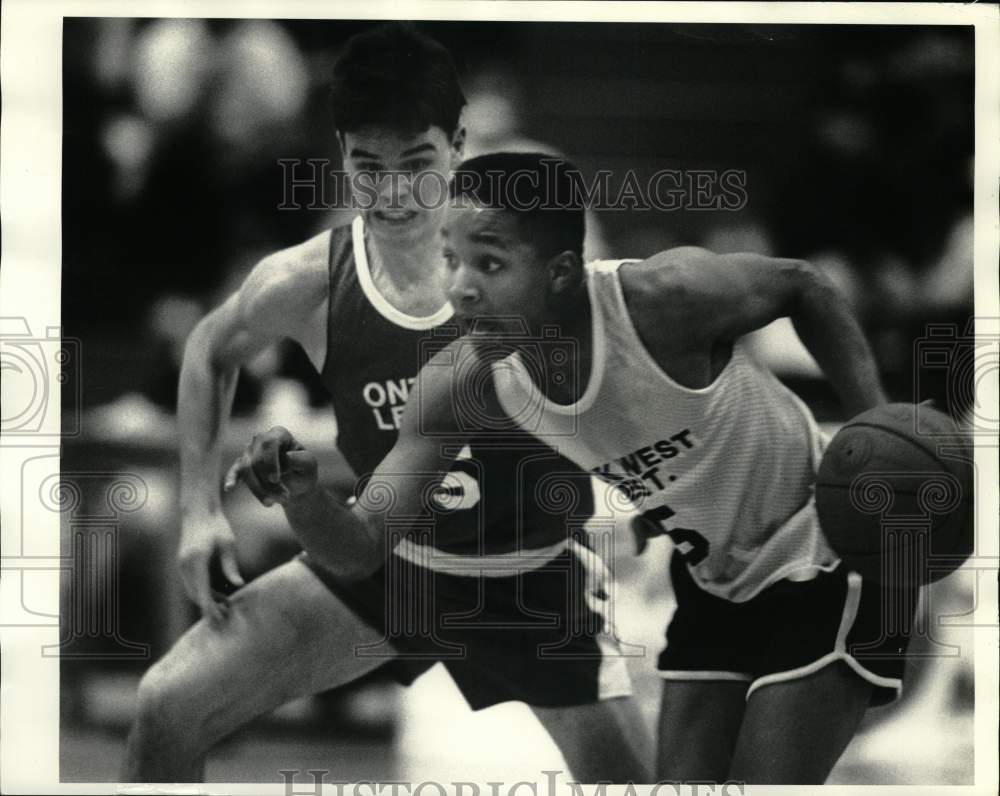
(275,466)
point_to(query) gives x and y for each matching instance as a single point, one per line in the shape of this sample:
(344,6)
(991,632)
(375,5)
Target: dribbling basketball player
(359,299)
(759,680)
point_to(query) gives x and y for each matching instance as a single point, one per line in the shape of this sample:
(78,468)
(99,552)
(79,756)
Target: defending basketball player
(359,299)
(659,396)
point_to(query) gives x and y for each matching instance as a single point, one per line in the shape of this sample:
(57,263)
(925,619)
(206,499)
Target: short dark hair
(543,190)
(395,76)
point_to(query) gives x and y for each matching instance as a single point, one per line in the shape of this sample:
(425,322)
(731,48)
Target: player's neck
(410,278)
(405,266)
(575,322)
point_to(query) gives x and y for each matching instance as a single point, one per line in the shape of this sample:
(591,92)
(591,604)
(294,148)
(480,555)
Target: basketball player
(657,395)
(359,299)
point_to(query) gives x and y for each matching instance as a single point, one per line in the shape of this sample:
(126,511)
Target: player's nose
(462,291)
(395,188)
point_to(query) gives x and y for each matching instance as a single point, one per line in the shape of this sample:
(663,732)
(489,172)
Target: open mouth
(395,217)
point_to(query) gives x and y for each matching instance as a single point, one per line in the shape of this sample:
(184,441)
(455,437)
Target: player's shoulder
(673,274)
(293,279)
(304,261)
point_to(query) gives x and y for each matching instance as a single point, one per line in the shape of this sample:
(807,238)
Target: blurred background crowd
(856,141)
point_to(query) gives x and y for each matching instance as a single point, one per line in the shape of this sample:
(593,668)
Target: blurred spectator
(173,59)
(262,85)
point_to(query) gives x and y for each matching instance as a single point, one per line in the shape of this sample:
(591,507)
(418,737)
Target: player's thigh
(698,727)
(794,731)
(286,635)
(601,741)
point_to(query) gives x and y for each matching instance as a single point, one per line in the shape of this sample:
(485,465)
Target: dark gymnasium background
(857,145)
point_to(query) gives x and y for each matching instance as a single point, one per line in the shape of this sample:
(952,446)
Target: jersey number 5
(692,546)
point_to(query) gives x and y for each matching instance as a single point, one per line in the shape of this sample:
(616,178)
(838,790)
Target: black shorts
(537,631)
(790,630)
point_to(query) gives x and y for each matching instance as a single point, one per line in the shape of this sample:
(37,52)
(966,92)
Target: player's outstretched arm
(269,306)
(730,295)
(351,542)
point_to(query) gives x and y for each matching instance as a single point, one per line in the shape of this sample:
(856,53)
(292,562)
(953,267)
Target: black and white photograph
(499,398)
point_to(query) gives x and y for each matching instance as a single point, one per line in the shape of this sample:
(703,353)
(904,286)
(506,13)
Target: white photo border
(30,287)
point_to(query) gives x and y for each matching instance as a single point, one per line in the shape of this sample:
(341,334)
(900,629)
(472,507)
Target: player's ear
(342,143)
(457,151)
(565,272)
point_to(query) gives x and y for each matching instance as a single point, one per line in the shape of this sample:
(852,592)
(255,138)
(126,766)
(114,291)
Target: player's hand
(207,560)
(275,467)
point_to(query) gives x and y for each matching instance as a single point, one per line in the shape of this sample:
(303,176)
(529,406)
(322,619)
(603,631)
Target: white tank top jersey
(727,470)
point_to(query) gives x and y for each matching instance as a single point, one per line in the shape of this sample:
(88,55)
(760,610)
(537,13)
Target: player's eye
(418,164)
(490,265)
(450,260)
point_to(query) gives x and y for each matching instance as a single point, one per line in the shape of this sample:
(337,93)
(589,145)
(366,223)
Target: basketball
(894,494)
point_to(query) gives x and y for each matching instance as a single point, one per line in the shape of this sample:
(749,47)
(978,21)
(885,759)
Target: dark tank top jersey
(504,493)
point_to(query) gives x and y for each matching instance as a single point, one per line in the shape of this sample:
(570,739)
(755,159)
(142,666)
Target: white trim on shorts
(613,680)
(501,565)
(697,674)
(839,653)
